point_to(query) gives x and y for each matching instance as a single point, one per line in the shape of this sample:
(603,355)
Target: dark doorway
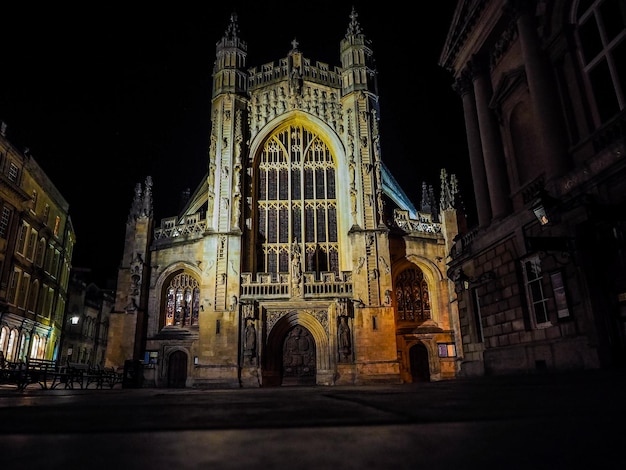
(177,370)
(420,371)
(298,357)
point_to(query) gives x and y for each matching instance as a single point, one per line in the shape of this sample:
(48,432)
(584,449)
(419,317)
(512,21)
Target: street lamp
(543,207)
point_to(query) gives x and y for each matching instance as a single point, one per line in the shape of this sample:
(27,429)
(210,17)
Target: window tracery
(182,304)
(412,296)
(296,201)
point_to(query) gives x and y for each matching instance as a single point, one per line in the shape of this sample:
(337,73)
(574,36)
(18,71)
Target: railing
(171,227)
(268,285)
(328,284)
(423,223)
(279,285)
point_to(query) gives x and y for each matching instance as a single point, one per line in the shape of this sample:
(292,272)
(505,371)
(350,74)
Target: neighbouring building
(86,326)
(36,243)
(297,259)
(541,279)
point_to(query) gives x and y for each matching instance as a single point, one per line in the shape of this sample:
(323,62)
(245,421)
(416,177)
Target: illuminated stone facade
(298,259)
(541,280)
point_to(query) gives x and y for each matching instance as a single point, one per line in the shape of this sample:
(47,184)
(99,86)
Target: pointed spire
(135,208)
(354,27)
(232,31)
(449,190)
(426,203)
(147,198)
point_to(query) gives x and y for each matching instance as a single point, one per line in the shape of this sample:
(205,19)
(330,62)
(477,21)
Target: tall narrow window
(478,319)
(57,225)
(5,218)
(15,277)
(13,172)
(32,241)
(296,202)
(537,301)
(32,296)
(41,251)
(21,239)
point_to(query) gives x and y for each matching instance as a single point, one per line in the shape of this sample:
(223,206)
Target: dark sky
(107,94)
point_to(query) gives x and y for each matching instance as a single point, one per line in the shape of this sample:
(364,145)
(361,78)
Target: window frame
(605,55)
(534,283)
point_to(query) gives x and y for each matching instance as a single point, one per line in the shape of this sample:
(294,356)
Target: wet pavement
(557,421)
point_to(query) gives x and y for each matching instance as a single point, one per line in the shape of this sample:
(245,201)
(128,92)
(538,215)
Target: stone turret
(229,74)
(126,321)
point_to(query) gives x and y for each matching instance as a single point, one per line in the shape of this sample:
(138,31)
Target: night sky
(106,94)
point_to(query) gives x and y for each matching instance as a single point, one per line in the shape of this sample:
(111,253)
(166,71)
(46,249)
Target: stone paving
(525,422)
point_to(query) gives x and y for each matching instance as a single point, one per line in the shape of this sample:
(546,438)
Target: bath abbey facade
(297,259)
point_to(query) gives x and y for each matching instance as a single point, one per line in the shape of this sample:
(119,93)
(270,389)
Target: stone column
(493,155)
(463,87)
(543,92)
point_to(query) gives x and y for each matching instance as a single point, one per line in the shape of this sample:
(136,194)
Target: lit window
(296,202)
(412,296)
(13,172)
(183,301)
(57,225)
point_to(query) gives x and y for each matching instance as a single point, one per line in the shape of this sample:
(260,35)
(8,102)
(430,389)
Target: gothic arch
(277,333)
(295,185)
(162,285)
(420,360)
(432,275)
(301,118)
(175,378)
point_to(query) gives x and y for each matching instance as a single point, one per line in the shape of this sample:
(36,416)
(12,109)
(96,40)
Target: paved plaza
(572,420)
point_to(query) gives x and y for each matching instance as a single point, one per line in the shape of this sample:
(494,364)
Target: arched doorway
(298,357)
(177,370)
(296,350)
(418,357)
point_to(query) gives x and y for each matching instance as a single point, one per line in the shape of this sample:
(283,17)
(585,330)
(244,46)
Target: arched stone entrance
(418,357)
(296,351)
(177,370)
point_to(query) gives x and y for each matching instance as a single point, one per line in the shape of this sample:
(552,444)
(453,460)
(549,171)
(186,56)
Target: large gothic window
(412,298)
(296,202)
(182,301)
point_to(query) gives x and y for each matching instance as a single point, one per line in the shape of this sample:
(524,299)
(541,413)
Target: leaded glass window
(412,297)
(296,201)
(182,303)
